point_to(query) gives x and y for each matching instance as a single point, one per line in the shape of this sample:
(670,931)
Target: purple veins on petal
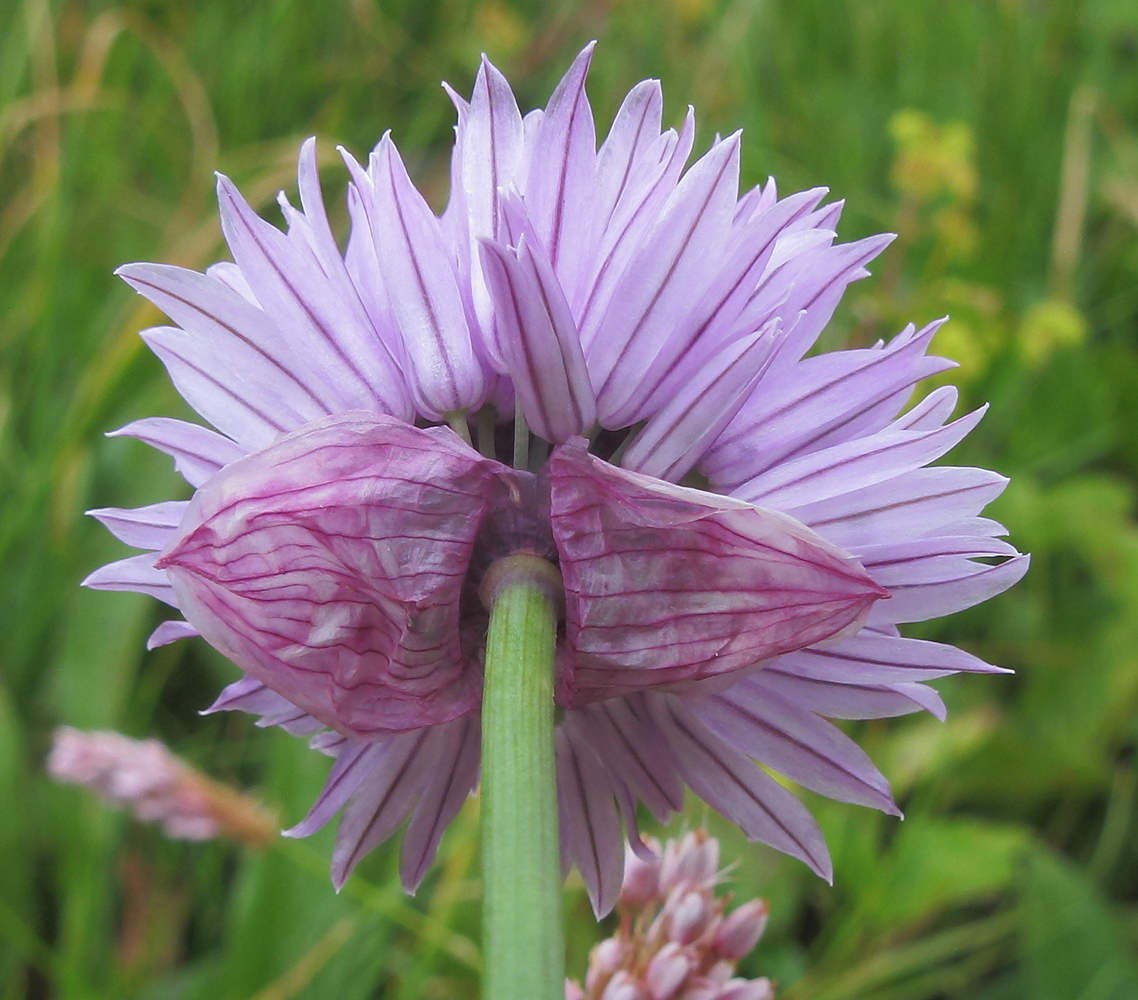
(539,343)
(421,285)
(198,452)
(757,720)
(853,465)
(827,399)
(872,658)
(330,567)
(624,233)
(239,391)
(681,252)
(137,574)
(732,784)
(677,435)
(249,695)
(668,585)
(590,824)
(313,314)
(143,527)
(561,175)
(852,700)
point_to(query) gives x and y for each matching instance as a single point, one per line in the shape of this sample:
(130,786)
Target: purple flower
(739,528)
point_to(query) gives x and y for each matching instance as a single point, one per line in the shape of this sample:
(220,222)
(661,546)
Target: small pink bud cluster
(676,941)
(145,777)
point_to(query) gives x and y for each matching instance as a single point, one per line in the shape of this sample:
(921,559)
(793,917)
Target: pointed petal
(143,527)
(680,254)
(317,318)
(853,465)
(590,826)
(450,781)
(735,786)
(137,574)
(823,401)
(170,631)
(251,696)
(756,719)
(562,175)
(909,505)
(633,752)
(238,390)
(631,149)
(853,700)
(384,798)
(870,658)
(677,435)
(198,452)
(330,566)
(668,585)
(422,288)
(712,321)
(634,215)
(539,343)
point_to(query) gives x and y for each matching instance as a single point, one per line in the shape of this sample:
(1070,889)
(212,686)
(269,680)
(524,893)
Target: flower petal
(669,585)
(735,786)
(633,752)
(681,252)
(330,567)
(241,392)
(198,452)
(451,780)
(827,399)
(562,175)
(590,824)
(425,300)
(137,574)
(676,436)
(310,304)
(756,719)
(143,527)
(539,342)
(871,658)
(170,631)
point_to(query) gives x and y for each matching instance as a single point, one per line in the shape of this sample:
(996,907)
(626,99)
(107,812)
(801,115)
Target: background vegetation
(999,138)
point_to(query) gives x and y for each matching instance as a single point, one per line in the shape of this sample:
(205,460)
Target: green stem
(523,946)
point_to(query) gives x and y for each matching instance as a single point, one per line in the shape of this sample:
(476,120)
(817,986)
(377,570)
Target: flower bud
(604,960)
(746,989)
(641,878)
(667,971)
(688,914)
(623,986)
(573,990)
(700,988)
(694,860)
(741,930)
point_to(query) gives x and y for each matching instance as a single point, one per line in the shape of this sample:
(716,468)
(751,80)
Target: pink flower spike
(330,565)
(665,584)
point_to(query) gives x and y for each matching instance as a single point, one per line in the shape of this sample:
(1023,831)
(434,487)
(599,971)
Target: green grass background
(998,137)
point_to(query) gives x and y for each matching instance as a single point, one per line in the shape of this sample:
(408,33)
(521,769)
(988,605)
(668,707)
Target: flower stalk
(523,944)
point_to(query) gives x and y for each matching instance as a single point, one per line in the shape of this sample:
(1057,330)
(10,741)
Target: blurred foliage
(998,138)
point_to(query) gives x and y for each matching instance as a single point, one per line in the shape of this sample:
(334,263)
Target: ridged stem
(523,944)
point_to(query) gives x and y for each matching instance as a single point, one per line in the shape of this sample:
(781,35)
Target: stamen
(457,421)
(485,419)
(521,438)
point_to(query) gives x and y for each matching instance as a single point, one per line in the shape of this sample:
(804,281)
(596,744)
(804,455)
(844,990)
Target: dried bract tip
(158,787)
